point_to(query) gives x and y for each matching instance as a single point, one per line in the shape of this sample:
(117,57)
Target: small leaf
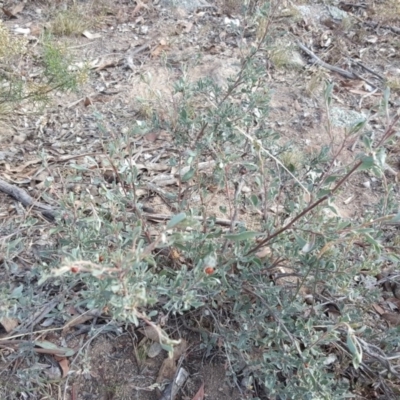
(323,192)
(242,236)
(64,365)
(392,318)
(167,347)
(367,142)
(377,246)
(328,93)
(308,246)
(386,96)
(9,323)
(330,179)
(381,157)
(65,351)
(254,199)
(300,241)
(354,348)
(151,333)
(357,126)
(188,175)
(367,163)
(183,114)
(44,344)
(152,313)
(175,220)
(395,219)
(17,292)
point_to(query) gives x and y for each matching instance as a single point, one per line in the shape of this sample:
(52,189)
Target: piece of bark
(27,201)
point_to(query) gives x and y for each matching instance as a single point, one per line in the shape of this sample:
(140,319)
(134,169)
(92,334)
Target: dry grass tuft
(71,22)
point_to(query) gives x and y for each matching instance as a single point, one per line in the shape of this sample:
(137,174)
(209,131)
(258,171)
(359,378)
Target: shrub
(54,72)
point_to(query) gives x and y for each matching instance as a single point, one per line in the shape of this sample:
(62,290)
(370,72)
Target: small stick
(23,197)
(346,74)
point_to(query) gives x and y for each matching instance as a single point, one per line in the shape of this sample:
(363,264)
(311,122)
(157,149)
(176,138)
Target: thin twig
(388,133)
(346,74)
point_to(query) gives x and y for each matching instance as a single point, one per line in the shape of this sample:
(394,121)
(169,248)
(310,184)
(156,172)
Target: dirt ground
(136,54)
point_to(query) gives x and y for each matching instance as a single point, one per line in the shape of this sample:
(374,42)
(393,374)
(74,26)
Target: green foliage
(57,67)
(55,74)
(271,335)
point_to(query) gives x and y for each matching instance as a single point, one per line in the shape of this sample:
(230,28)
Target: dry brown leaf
(393,302)
(277,209)
(179,349)
(36,30)
(378,309)
(139,6)
(64,365)
(9,324)
(103,64)
(151,333)
(87,102)
(264,252)
(159,49)
(74,392)
(392,318)
(17,9)
(200,394)
(8,13)
(13,12)
(76,321)
(167,370)
(151,136)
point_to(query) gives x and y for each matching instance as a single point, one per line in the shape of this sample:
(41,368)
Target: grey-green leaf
(242,236)
(176,219)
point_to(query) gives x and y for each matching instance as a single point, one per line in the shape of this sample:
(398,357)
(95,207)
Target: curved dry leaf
(64,365)
(393,303)
(378,309)
(81,319)
(167,370)
(264,252)
(9,324)
(151,333)
(179,349)
(393,319)
(14,11)
(151,136)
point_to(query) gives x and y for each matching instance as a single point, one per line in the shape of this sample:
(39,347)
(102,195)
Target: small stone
(367,184)
(19,139)
(154,350)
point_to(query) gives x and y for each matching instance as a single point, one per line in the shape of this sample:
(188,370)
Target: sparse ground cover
(206,187)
